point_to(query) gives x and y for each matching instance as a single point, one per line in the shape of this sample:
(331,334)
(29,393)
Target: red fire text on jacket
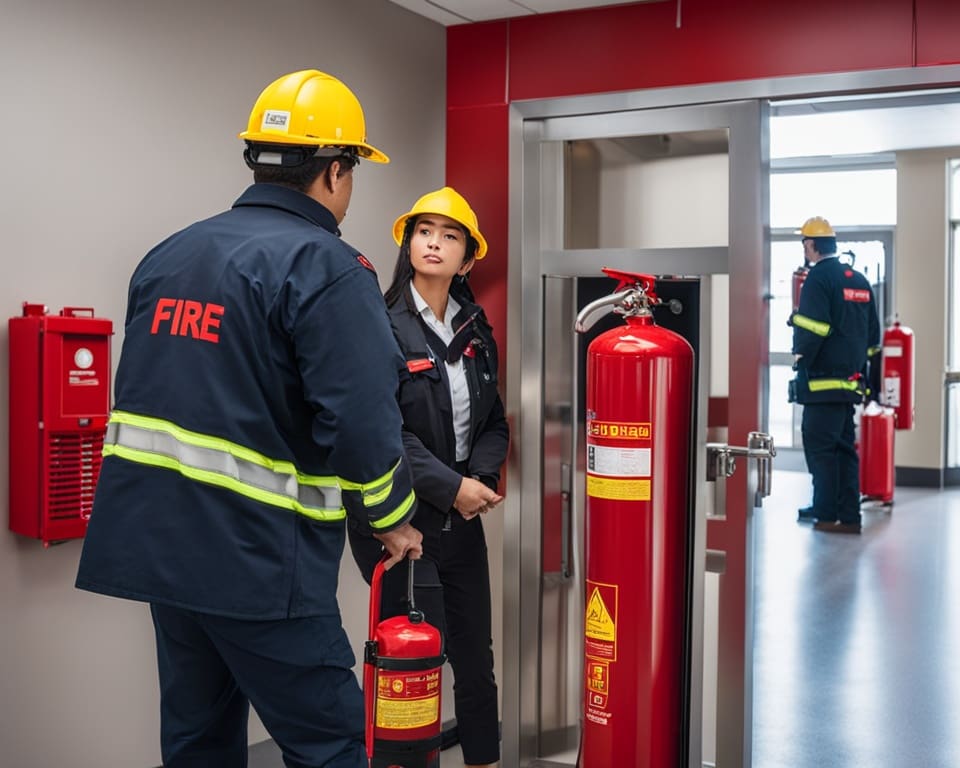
(188,318)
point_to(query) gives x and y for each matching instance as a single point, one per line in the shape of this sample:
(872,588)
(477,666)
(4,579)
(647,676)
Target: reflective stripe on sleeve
(212,460)
(824,385)
(377,492)
(809,324)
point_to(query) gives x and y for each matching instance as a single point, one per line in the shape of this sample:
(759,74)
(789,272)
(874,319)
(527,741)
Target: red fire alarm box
(59,406)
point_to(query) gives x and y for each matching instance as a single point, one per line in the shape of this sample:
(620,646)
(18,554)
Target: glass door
(860,203)
(869,252)
(952,382)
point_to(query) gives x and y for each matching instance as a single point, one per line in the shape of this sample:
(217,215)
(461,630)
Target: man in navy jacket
(834,327)
(255,411)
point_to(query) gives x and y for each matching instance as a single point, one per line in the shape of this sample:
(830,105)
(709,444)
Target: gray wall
(120,123)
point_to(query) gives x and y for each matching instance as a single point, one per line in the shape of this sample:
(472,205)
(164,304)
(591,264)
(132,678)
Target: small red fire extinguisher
(639,403)
(799,276)
(401,684)
(897,371)
(877,470)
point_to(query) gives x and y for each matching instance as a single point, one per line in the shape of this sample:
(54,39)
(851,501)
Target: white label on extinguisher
(891,391)
(618,462)
(893,351)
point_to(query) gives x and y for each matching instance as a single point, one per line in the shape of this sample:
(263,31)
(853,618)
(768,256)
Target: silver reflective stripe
(318,498)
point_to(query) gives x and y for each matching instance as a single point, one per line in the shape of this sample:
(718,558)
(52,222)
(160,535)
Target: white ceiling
(449,12)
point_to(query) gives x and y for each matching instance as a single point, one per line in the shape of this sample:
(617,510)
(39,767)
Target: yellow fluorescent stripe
(222,481)
(371,500)
(398,514)
(821,385)
(205,441)
(386,477)
(809,324)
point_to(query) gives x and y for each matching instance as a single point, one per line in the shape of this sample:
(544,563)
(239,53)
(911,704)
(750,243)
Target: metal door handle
(721,461)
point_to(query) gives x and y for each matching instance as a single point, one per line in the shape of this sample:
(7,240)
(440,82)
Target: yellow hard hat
(310,108)
(446,202)
(816,227)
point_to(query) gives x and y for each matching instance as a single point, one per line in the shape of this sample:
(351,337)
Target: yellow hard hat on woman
(445,202)
(310,108)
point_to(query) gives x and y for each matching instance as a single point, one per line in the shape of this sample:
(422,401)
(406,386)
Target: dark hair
(298,167)
(403,270)
(824,245)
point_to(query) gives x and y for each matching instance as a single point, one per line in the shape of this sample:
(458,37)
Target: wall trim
(923,477)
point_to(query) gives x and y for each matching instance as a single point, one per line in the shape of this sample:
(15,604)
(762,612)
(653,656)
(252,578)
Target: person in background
(255,411)
(834,327)
(455,436)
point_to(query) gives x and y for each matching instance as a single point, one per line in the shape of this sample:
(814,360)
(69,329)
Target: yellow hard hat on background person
(310,108)
(445,202)
(816,226)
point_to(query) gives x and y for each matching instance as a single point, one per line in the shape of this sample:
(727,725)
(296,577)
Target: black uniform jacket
(425,404)
(833,329)
(281,403)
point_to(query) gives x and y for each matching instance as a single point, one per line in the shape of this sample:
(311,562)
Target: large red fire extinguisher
(401,685)
(897,371)
(639,393)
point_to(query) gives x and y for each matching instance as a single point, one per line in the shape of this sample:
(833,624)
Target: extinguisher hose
(584,319)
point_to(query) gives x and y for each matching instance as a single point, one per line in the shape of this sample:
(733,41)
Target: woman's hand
(474,498)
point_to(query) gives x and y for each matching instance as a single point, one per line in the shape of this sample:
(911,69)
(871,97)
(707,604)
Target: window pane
(781,412)
(785,257)
(955,190)
(845,198)
(953,331)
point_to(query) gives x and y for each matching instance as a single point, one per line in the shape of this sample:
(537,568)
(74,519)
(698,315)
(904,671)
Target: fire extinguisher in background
(799,276)
(639,394)
(875,446)
(401,684)
(897,372)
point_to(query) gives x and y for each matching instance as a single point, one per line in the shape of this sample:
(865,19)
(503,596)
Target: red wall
(631,47)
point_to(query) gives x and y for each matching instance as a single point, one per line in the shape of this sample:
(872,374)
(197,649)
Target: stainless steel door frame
(536,239)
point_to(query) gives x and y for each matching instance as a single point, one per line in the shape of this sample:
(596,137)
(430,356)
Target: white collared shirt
(456,372)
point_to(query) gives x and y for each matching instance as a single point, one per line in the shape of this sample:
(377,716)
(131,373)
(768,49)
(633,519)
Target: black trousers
(830,450)
(297,673)
(452,588)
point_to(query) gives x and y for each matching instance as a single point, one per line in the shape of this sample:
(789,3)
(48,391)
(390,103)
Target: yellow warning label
(407,713)
(618,490)
(599,625)
(620,430)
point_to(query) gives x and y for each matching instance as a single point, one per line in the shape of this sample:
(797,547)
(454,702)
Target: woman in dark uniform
(455,438)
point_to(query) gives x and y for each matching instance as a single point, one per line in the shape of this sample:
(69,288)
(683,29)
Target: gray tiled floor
(857,638)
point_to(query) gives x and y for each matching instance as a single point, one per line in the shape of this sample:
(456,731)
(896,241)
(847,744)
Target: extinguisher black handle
(376,582)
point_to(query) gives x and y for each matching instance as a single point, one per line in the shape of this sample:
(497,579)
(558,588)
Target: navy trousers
(297,673)
(830,450)
(452,587)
